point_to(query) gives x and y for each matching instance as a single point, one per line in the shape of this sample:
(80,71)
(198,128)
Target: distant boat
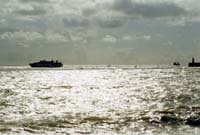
(45,63)
(176,64)
(194,64)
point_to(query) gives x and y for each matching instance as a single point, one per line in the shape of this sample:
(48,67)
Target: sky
(99,31)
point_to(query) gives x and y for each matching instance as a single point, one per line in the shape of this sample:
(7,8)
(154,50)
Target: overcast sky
(99,31)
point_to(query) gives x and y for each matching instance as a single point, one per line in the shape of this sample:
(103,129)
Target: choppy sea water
(114,100)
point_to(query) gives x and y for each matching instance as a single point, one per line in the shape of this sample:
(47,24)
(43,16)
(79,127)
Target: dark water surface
(100,100)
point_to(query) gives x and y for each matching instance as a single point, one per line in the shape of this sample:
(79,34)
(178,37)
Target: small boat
(45,63)
(176,64)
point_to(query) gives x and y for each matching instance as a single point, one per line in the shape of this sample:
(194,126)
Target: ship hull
(46,64)
(194,64)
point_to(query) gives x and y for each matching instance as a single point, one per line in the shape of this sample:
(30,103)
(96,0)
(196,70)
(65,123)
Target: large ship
(194,64)
(45,63)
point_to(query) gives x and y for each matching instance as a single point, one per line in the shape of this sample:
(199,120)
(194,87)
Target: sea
(100,100)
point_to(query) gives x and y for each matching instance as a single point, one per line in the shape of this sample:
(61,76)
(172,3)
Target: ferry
(45,63)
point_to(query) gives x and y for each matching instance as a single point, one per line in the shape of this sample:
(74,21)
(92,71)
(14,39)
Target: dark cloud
(88,11)
(148,9)
(110,22)
(6,29)
(117,13)
(76,22)
(35,11)
(34,1)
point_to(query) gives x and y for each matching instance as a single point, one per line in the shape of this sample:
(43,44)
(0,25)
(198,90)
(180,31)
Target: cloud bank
(100,27)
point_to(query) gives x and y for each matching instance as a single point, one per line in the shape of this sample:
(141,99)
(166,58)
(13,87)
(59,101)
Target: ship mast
(193,61)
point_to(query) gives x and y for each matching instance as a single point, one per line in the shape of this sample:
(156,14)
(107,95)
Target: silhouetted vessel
(194,64)
(176,64)
(45,63)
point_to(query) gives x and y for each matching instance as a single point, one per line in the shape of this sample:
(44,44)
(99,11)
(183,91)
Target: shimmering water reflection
(100,100)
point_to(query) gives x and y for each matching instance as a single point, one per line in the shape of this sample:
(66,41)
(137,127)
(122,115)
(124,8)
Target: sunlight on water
(100,100)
